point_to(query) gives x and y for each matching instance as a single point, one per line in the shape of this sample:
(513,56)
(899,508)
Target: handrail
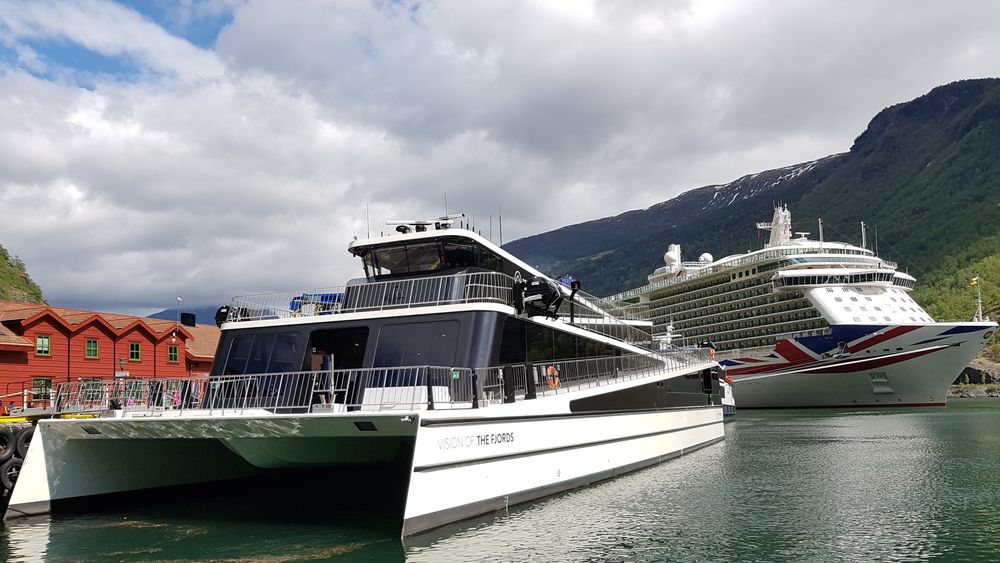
(477,287)
(364,389)
(743,260)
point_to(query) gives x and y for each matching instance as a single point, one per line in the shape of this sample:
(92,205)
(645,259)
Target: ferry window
(239,352)
(416,344)
(260,354)
(342,348)
(424,257)
(539,343)
(564,345)
(284,354)
(458,255)
(512,342)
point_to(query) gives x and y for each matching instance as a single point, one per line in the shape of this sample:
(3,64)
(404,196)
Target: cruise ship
(470,378)
(811,323)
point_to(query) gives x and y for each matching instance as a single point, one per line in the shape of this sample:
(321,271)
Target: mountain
(15,283)
(924,176)
(203,315)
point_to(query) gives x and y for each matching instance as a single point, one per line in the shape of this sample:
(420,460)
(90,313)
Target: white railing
(364,389)
(700,270)
(489,287)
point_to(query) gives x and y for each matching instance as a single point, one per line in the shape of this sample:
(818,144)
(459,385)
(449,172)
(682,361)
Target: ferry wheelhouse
(478,380)
(803,323)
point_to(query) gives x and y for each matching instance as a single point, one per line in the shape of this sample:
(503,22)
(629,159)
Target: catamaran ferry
(479,380)
(811,323)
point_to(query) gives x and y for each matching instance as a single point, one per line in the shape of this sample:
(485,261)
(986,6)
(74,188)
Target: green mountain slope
(924,176)
(15,283)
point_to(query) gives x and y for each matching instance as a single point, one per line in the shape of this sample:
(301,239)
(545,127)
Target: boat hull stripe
(481,460)
(433,520)
(887,335)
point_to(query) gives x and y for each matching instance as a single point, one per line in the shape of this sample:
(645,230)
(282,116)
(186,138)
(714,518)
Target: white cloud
(249,167)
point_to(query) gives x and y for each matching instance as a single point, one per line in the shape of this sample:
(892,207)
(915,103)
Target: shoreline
(974,390)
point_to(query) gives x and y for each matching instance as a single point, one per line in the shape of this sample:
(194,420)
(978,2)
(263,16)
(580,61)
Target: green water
(821,485)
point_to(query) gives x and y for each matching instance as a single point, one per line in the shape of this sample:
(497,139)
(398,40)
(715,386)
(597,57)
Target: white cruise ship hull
(904,365)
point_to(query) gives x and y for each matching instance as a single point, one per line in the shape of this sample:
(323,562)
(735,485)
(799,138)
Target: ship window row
(694,293)
(760,318)
(834,279)
(698,301)
(524,341)
(687,311)
(738,313)
(729,340)
(762,321)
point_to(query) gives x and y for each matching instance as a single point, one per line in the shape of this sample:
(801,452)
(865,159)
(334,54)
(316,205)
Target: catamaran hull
(457,467)
(465,468)
(895,366)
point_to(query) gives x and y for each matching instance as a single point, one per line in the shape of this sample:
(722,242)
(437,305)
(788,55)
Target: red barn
(42,346)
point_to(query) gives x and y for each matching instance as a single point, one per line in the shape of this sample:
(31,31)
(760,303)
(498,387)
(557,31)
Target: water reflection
(896,485)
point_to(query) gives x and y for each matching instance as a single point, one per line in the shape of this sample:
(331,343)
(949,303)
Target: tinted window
(417,344)
(239,352)
(285,356)
(512,345)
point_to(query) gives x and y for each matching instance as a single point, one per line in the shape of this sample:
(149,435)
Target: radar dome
(705,258)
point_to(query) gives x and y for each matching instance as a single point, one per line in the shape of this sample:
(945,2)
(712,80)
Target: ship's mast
(780,227)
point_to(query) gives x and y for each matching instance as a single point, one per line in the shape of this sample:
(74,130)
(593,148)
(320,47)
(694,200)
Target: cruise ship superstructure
(483,382)
(811,323)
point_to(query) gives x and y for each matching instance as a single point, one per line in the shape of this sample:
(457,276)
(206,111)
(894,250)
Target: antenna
(491,227)
(500,220)
(368,220)
(821,233)
(864,241)
(445,204)
(876,238)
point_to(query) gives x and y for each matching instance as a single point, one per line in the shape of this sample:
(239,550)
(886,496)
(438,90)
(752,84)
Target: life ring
(552,377)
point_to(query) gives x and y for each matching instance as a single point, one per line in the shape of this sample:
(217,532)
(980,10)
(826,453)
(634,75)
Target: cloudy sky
(209,148)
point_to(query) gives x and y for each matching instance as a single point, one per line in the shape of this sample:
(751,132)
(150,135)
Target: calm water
(894,485)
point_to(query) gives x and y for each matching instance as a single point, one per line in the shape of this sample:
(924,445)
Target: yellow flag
(974,281)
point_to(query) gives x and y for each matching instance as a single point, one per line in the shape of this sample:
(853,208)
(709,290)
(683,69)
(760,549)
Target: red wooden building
(42,346)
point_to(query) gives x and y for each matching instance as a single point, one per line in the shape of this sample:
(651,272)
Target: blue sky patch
(199,27)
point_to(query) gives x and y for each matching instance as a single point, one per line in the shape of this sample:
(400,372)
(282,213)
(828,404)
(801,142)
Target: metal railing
(748,259)
(294,392)
(365,389)
(479,287)
(586,373)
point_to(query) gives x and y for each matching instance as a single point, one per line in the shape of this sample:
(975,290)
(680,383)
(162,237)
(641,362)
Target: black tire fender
(9,472)
(8,444)
(23,441)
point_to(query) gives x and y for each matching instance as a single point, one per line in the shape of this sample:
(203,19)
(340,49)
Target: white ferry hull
(459,467)
(891,366)
(514,461)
